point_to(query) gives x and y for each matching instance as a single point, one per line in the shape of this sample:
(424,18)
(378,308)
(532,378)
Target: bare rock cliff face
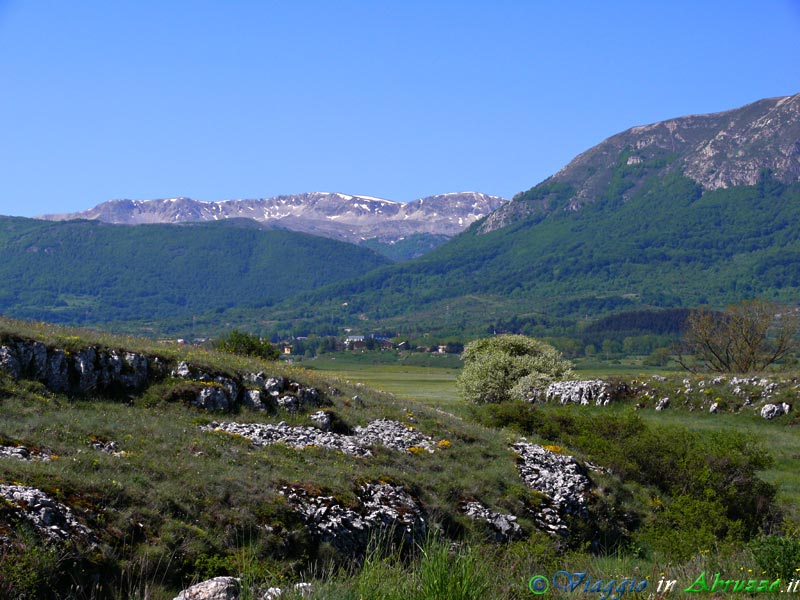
(765,135)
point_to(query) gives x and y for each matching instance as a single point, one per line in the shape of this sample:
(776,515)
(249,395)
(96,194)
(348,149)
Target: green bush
(207,566)
(30,570)
(515,414)
(778,556)
(686,526)
(691,473)
(503,367)
(246,344)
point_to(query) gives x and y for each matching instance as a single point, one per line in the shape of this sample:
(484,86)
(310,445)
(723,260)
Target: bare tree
(744,337)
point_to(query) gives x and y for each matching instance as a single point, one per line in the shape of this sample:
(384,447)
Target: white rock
(770,411)
(219,588)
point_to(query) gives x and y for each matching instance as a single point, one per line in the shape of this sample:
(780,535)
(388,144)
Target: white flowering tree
(508,367)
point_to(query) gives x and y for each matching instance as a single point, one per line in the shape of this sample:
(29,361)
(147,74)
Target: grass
(187,497)
(435,386)
(434,382)
(432,385)
(181,504)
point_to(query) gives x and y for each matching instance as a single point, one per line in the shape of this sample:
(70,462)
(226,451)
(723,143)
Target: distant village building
(355,342)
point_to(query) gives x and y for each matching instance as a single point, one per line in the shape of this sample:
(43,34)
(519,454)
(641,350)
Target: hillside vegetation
(89,272)
(163,457)
(692,210)
(668,246)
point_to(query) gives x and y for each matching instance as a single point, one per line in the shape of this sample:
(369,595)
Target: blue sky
(214,100)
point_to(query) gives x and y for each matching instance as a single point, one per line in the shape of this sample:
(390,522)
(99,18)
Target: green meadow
(434,385)
(672,494)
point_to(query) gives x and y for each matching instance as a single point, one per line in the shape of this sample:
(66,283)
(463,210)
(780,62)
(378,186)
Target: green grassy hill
(147,491)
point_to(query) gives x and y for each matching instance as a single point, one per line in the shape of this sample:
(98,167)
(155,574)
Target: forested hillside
(670,245)
(90,272)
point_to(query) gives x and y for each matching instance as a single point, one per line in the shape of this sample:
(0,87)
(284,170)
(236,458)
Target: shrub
(500,368)
(686,526)
(29,570)
(715,473)
(246,344)
(778,556)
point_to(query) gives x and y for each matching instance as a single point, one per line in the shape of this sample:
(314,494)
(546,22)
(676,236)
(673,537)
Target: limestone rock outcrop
(219,588)
(265,434)
(93,370)
(87,371)
(560,478)
(583,392)
(771,411)
(381,507)
(504,527)
(383,432)
(23,453)
(221,393)
(49,518)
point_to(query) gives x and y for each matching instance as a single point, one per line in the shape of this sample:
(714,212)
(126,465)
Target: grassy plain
(435,385)
(431,379)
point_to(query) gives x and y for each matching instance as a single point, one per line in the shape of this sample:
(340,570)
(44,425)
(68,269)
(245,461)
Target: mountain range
(407,228)
(695,209)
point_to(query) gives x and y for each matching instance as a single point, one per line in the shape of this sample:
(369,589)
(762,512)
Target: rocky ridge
(86,371)
(383,507)
(339,216)
(719,150)
(583,392)
(718,394)
(504,527)
(753,393)
(94,370)
(561,479)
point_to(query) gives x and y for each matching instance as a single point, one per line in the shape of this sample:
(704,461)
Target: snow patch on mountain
(351,218)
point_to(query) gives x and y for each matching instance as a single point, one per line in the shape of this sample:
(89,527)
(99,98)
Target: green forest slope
(90,272)
(669,245)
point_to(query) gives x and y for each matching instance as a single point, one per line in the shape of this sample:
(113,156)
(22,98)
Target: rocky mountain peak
(351,218)
(718,150)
